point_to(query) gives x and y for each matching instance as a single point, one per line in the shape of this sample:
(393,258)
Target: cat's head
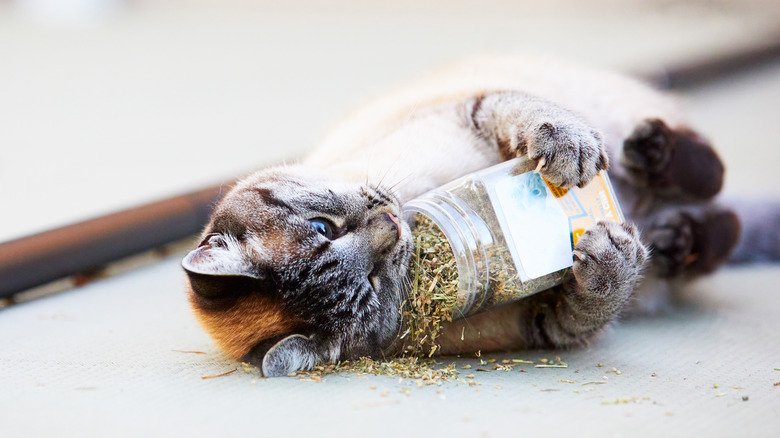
(297,268)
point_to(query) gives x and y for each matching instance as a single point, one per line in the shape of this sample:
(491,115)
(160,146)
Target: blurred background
(109,104)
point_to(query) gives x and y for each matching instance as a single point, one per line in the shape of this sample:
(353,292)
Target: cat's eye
(323,226)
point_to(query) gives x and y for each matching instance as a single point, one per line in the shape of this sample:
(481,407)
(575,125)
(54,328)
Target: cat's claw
(608,261)
(568,153)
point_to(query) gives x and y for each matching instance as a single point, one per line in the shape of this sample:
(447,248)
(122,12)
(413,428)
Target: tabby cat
(307,263)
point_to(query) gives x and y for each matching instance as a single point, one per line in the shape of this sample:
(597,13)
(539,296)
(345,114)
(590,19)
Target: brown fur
(695,169)
(494,331)
(247,322)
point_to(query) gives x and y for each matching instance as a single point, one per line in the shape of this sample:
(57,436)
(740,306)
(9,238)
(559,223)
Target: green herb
(434,289)
(624,400)
(423,371)
(552,364)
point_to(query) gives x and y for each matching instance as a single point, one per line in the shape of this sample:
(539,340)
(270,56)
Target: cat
(307,263)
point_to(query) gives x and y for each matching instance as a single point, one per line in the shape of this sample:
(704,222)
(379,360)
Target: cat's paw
(293,353)
(648,150)
(608,261)
(568,152)
(693,243)
(675,163)
(671,243)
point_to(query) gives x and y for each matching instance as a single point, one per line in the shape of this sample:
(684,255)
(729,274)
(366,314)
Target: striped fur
(341,292)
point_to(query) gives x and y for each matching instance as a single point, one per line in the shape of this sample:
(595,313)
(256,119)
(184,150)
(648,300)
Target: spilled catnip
(424,371)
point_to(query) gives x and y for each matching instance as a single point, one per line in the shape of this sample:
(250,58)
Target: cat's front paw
(608,261)
(568,153)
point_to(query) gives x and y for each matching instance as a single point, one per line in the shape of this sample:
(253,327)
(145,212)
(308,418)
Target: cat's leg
(567,150)
(671,163)
(684,241)
(609,259)
(663,165)
(691,240)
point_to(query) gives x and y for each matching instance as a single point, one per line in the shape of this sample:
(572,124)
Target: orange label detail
(558,192)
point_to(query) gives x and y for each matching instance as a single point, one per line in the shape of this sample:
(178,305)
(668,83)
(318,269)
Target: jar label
(544,221)
(536,223)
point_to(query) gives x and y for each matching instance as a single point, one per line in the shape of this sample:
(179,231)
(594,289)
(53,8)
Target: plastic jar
(510,231)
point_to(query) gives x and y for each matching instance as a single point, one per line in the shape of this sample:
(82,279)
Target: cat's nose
(396,222)
(383,232)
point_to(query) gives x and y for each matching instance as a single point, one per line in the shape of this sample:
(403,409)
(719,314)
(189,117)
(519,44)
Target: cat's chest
(430,148)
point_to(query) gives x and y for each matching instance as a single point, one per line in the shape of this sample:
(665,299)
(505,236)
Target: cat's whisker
(404,152)
(394,187)
(400,181)
(387,171)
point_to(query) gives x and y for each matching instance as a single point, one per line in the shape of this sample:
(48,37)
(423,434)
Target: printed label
(537,224)
(544,222)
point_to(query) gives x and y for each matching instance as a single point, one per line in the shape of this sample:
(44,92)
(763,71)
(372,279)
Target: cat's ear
(218,262)
(220,255)
(293,353)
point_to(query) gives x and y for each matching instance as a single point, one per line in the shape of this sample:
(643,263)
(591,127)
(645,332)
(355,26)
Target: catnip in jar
(493,237)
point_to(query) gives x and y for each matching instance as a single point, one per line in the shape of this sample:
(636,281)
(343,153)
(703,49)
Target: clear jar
(511,233)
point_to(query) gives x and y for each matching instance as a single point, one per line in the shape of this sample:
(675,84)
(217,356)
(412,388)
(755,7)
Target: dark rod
(38,259)
(694,73)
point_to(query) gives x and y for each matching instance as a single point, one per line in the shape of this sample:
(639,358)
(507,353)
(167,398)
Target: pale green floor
(101,361)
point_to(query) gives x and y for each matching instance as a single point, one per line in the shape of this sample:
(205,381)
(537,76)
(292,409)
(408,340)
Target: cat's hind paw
(648,150)
(690,242)
(675,163)
(671,242)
